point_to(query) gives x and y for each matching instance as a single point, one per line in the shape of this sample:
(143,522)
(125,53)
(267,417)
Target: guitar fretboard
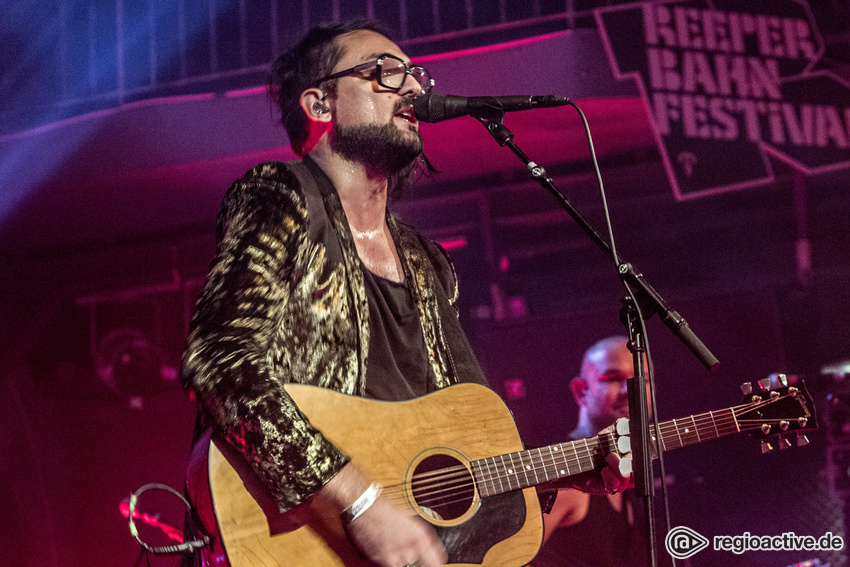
(512,471)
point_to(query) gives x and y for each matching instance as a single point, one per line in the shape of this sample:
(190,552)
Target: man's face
(373,125)
(601,387)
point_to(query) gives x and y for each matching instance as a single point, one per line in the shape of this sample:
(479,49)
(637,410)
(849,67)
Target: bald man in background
(595,531)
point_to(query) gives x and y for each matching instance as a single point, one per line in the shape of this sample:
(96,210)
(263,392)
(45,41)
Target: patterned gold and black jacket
(285,301)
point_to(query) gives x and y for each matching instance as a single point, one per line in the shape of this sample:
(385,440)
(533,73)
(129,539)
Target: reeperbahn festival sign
(728,83)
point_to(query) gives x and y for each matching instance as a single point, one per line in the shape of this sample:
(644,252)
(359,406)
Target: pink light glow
(453,243)
(246,92)
(515,389)
(494,47)
(170,531)
(168,100)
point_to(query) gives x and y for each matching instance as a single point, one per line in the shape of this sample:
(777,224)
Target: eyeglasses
(390,72)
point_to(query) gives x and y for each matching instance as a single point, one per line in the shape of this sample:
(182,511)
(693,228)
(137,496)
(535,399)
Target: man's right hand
(384,533)
(390,537)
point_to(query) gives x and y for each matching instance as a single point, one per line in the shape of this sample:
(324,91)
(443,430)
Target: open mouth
(407,114)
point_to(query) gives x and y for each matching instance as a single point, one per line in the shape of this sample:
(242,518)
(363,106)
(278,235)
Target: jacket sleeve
(226,367)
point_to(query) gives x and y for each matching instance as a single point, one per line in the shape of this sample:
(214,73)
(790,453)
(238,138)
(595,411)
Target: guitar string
(463,489)
(459,473)
(433,487)
(724,422)
(697,420)
(666,428)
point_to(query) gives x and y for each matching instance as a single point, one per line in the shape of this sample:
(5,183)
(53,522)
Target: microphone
(433,107)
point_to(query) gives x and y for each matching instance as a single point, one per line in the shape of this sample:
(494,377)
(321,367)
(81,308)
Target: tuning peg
(624,444)
(784,442)
(766,447)
(783,425)
(802,440)
(780,379)
(764,383)
(747,388)
(765,428)
(802,421)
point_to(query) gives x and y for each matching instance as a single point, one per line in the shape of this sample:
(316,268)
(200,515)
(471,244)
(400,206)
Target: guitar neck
(531,467)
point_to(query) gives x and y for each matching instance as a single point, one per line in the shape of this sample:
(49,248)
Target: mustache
(404,103)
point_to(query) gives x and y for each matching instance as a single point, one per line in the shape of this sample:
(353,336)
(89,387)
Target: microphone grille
(430,107)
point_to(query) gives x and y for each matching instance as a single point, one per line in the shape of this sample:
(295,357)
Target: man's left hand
(608,480)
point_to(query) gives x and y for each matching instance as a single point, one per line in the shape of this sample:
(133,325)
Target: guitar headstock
(777,405)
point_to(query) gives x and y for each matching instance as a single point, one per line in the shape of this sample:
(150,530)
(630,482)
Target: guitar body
(392,441)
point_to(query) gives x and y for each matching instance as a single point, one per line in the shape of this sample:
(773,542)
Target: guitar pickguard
(498,518)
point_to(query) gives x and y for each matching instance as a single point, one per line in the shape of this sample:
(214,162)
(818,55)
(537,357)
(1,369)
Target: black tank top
(604,538)
(397,367)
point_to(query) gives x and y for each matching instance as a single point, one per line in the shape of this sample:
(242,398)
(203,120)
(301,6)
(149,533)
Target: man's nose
(410,86)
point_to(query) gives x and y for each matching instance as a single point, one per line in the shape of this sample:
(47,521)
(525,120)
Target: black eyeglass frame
(378,64)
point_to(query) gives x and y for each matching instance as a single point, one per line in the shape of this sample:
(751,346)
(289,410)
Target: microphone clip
(494,122)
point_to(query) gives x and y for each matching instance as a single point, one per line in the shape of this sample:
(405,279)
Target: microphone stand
(643,300)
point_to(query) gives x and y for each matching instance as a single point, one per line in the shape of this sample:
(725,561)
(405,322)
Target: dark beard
(385,149)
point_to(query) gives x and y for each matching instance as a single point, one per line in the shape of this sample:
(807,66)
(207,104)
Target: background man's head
(600,388)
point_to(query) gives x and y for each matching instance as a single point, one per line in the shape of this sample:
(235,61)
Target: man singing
(315,282)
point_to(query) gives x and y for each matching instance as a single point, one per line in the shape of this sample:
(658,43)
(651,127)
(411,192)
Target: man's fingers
(610,480)
(433,558)
(617,475)
(435,555)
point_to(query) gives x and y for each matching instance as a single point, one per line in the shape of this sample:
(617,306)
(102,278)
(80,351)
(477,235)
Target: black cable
(185,547)
(640,318)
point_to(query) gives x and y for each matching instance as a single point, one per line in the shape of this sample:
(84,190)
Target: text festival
(706,80)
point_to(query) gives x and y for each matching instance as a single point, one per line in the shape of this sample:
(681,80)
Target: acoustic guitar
(454,458)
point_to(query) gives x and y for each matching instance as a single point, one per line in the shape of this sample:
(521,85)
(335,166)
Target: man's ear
(312,102)
(578,386)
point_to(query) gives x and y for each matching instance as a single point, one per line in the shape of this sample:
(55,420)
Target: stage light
(131,366)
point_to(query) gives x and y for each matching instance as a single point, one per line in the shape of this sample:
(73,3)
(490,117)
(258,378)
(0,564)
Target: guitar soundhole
(443,487)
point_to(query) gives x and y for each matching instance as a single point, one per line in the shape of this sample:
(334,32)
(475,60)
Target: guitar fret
(505,472)
(524,469)
(714,423)
(543,463)
(696,429)
(513,470)
(689,435)
(532,466)
(587,452)
(490,476)
(597,455)
(482,483)
(493,489)
(498,476)
(735,420)
(679,435)
(553,454)
(656,441)
(575,452)
(566,471)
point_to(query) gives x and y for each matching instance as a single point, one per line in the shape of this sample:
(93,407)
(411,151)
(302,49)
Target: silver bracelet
(363,502)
